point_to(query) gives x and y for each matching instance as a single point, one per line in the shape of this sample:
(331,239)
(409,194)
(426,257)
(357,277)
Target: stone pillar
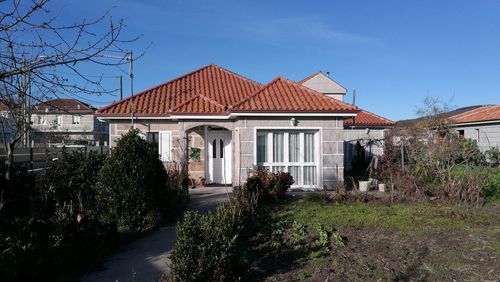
(183,149)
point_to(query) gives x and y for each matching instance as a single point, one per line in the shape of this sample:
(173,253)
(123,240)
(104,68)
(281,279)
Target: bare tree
(38,53)
(433,114)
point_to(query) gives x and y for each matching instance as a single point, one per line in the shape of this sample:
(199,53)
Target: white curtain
(278,147)
(308,147)
(295,173)
(309,175)
(278,168)
(261,148)
(294,147)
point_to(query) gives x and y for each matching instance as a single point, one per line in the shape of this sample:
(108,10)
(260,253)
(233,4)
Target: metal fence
(36,158)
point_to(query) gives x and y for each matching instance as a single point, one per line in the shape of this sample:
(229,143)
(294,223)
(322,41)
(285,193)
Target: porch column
(183,149)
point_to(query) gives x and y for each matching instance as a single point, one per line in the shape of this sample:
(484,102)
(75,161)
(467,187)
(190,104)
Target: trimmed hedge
(132,188)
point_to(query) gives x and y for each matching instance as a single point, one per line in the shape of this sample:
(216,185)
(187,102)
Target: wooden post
(31,158)
(85,150)
(402,158)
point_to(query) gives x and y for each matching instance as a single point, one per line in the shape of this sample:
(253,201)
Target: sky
(394,53)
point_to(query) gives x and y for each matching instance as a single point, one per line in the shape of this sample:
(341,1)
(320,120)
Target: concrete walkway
(147,258)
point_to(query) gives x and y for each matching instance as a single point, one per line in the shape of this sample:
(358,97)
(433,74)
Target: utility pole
(128,57)
(131,60)
(121,88)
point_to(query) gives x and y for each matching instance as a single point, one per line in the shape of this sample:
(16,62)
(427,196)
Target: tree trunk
(9,163)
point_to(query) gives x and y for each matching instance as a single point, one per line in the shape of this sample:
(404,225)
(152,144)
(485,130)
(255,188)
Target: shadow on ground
(146,259)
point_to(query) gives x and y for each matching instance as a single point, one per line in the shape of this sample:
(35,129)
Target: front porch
(210,155)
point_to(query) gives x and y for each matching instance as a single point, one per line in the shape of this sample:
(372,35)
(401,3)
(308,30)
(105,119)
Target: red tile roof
(365,118)
(485,113)
(199,104)
(207,89)
(63,106)
(284,95)
(215,90)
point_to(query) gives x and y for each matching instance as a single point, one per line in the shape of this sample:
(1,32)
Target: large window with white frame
(293,151)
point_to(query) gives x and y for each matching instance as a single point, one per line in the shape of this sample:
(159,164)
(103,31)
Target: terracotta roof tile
(63,106)
(199,104)
(212,82)
(485,113)
(284,95)
(366,118)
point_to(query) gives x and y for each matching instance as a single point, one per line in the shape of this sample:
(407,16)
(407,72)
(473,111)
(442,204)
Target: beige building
(66,121)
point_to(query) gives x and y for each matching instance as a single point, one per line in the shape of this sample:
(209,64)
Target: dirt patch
(371,253)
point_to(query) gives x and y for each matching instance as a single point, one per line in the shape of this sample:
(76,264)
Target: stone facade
(330,133)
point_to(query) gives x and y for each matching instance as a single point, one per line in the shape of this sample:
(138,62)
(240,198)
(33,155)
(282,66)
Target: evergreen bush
(132,188)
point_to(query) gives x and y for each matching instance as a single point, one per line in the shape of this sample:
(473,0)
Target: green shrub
(71,181)
(48,226)
(205,249)
(492,189)
(132,188)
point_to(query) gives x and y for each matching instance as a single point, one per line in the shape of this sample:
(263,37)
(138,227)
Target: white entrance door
(219,157)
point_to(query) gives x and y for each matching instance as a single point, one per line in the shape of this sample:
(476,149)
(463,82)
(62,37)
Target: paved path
(147,258)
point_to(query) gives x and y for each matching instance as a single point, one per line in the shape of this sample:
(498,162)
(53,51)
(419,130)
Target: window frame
(59,118)
(160,132)
(76,119)
(270,164)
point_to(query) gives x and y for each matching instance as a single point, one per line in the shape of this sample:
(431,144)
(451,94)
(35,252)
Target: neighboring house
(366,129)
(66,121)
(238,124)
(323,83)
(481,124)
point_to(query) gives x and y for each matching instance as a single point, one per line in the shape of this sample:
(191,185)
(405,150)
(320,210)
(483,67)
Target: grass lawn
(306,239)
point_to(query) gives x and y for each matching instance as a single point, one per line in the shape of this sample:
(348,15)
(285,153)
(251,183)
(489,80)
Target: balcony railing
(63,127)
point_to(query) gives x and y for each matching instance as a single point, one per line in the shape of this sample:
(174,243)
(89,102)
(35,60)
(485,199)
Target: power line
(89,75)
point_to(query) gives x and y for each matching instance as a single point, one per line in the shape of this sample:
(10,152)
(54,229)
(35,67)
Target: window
(214,149)
(261,148)
(41,120)
(477,135)
(278,147)
(59,120)
(153,138)
(290,151)
(461,134)
(221,148)
(76,119)
(293,147)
